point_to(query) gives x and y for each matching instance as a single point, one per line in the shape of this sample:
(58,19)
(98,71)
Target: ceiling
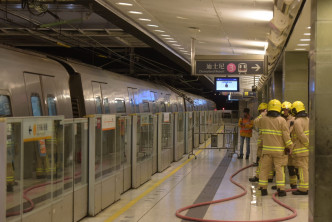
(147,38)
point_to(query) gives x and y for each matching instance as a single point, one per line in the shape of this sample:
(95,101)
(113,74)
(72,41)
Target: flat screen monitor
(227,84)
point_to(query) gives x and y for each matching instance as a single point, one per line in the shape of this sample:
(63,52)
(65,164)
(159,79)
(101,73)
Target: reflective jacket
(256,125)
(274,134)
(246,125)
(290,119)
(300,137)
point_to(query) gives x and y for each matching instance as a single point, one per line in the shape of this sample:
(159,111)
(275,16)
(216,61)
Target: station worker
(246,123)
(300,136)
(262,109)
(276,142)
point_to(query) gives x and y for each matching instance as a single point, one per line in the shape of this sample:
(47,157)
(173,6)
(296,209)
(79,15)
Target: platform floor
(190,181)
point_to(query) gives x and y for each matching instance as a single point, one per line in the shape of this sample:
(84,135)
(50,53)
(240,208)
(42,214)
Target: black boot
(270,180)
(257,161)
(281,193)
(247,157)
(264,192)
(240,156)
(10,188)
(254,179)
(298,192)
(274,187)
(293,186)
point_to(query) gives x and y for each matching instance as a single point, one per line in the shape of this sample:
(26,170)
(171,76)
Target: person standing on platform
(300,136)
(276,142)
(262,109)
(246,124)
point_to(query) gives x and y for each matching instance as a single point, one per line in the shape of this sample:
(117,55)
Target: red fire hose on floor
(232,198)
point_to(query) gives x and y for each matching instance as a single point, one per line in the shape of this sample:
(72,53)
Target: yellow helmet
(286,105)
(298,106)
(262,106)
(274,105)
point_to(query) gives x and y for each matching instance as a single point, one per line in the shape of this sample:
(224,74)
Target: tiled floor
(184,186)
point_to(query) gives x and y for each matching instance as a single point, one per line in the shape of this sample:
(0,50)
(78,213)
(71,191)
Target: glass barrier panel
(126,157)
(166,131)
(108,152)
(144,138)
(13,177)
(81,149)
(68,156)
(121,126)
(58,151)
(98,133)
(37,168)
(180,127)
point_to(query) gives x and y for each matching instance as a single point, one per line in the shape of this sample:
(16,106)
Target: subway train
(81,167)
(36,85)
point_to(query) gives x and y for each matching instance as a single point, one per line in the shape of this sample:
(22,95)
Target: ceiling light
(181,48)
(300,49)
(144,19)
(158,30)
(124,4)
(135,12)
(169,38)
(307,33)
(302,44)
(308,27)
(171,41)
(179,17)
(165,35)
(305,40)
(260,15)
(251,43)
(176,44)
(152,25)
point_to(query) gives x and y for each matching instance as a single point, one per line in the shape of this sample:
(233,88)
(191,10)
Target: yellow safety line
(154,186)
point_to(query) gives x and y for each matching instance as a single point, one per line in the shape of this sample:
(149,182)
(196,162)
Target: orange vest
(246,126)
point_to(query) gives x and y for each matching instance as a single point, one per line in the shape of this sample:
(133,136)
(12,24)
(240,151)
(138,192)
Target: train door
(41,94)
(133,98)
(101,102)
(154,96)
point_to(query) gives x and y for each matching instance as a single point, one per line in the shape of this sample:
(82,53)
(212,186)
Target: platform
(197,180)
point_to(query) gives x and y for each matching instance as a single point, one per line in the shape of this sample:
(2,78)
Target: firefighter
(246,123)
(286,113)
(276,142)
(300,136)
(262,109)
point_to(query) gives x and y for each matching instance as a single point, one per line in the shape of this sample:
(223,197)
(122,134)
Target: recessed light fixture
(302,44)
(300,49)
(152,25)
(169,38)
(307,33)
(165,35)
(144,19)
(179,17)
(135,12)
(158,30)
(124,4)
(308,27)
(181,48)
(176,44)
(305,40)
(172,41)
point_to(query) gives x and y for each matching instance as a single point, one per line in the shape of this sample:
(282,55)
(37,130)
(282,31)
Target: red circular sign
(231,67)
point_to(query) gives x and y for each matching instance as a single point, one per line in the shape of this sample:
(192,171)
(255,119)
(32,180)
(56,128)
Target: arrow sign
(256,67)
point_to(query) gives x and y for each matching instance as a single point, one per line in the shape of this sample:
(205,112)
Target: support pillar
(320,106)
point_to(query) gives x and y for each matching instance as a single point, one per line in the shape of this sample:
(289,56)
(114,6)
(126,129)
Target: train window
(51,105)
(36,105)
(146,108)
(98,105)
(175,108)
(120,106)
(106,106)
(163,107)
(5,109)
(154,108)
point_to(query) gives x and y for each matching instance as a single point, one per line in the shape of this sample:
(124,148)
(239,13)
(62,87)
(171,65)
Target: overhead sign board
(249,94)
(229,65)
